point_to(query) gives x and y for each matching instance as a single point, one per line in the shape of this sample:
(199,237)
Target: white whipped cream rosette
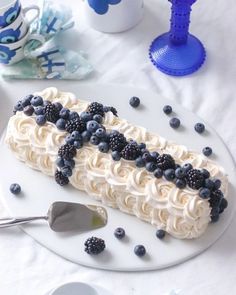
(181,212)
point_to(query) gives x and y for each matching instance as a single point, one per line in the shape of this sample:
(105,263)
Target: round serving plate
(39,191)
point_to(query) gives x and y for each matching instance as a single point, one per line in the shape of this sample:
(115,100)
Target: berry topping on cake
(187,167)
(195,179)
(61,124)
(28,110)
(36,101)
(39,110)
(26,100)
(51,112)
(117,141)
(73,115)
(174,123)
(158,173)
(165,161)
(110,109)
(139,250)
(140,162)
(180,183)
(169,174)
(199,128)
(180,172)
(64,113)
(167,109)
(41,120)
(61,179)
(94,140)
(217,184)
(223,205)
(151,166)
(116,156)
(94,245)
(205,173)
(103,147)
(207,151)
(96,108)
(119,233)
(209,184)
(215,198)
(98,118)
(58,105)
(134,102)
(131,151)
(15,188)
(67,151)
(92,126)
(75,125)
(204,193)
(160,234)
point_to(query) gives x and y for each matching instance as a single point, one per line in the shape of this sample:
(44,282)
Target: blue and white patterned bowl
(9,10)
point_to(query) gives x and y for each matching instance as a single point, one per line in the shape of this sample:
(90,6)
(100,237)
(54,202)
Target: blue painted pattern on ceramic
(10,15)
(102,6)
(6,54)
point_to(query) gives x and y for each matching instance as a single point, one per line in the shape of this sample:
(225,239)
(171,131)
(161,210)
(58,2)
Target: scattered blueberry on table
(167,109)
(94,245)
(15,188)
(134,101)
(199,128)
(207,151)
(174,123)
(160,234)
(119,233)
(140,250)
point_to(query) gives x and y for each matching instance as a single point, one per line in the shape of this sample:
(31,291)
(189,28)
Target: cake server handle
(9,221)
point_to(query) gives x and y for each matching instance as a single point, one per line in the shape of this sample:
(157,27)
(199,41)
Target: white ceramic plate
(39,191)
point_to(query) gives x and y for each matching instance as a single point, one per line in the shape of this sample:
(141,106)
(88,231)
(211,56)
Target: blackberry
(195,179)
(215,198)
(61,179)
(117,141)
(96,108)
(165,161)
(75,125)
(94,245)
(223,205)
(131,151)
(51,112)
(111,109)
(67,151)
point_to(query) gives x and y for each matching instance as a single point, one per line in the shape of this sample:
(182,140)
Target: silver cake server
(66,216)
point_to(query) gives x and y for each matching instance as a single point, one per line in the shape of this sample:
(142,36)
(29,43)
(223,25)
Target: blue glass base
(177,60)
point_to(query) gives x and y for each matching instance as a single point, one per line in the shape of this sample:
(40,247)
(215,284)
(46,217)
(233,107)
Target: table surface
(28,268)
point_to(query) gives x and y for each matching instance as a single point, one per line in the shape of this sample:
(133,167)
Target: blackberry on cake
(131,151)
(165,161)
(117,141)
(61,179)
(96,108)
(110,109)
(75,125)
(195,179)
(51,112)
(67,151)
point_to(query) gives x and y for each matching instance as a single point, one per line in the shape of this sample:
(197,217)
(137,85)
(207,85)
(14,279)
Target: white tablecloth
(28,268)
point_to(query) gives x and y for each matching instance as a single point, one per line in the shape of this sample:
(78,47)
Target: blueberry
(199,128)
(209,184)
(167,109)
(69,139)
(64,113)
(151,167)
(61,124)
(98,118)
(66,171)
(106,109)
(73,115)
(86,136)
(41,120)
(36,101)
(15,188)
(177,166)
(60,162)
(29,110)
(169,174)
(217,184)
(158,173)
(58,106)
(180,183)
(215,218)
(160,234)
(78,144)
(19,106)
(223,204)
(94,140)
(180,172)
(119,233)
(69,163)
(142,146)
(26,100)
(187,167)
(39,110)
(207,151)
(92,126)
(100,132)
(146,157)
(140,162)
(116,156)
(204,193)
(103,147)
(76,135)
(86,116)
(139,250)
(205,173)
(154,155)
(174,123)
(134,102)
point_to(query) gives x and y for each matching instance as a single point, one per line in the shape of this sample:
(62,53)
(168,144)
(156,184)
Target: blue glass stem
(179,23)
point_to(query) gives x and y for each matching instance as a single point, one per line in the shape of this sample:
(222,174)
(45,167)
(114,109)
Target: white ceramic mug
(19,27)
(113,16)
(14,52)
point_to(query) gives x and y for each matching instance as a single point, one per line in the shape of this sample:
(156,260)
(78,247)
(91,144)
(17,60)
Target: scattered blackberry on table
(180,183)
(134,101)
(139,250)
(216,198)
(75,125)
(174,123)
(116,156)
(167,109)
(61,179)
(64,113)
(103,147)
(86,116)
(223,205)
(169,174)
(96,108)
(151,166)
(36,101)
(158,173)
(26,100)
(140,162)
(117,141)
(199,128)
(131,151)
(160,234)
(51,112)
(66,171)
(15,188)
(165,161)
(207,151)
(110,109)
(41,120)
(98,118)
(119,233)
(61,124)
(92,126)
(195,179)
(187,167)
(28,110)
(94,245)
(67,151)
(180,172)
(204,193)
(39,110)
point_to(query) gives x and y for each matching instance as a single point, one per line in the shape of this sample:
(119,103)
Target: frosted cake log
(118,184)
